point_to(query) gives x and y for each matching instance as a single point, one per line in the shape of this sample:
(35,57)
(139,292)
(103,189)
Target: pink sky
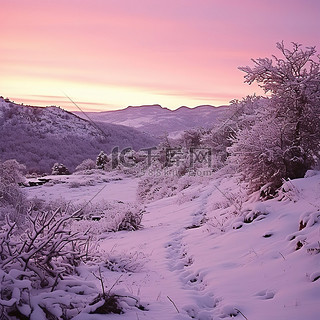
(108,54)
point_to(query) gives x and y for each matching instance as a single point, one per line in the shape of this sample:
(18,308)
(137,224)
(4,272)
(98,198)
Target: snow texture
(218,255)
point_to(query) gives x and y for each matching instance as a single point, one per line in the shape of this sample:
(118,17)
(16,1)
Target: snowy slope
(219,256)
(39,137)
(157,120)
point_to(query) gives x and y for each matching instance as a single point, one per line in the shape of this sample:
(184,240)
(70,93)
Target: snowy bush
(109,216)
(74,184)
(125,262)
(12,197)
(37,256)
(174,170)
(41,261)
(87,164)
(45,246)
(59,169)
(289,191)
(10,177)
(164,183)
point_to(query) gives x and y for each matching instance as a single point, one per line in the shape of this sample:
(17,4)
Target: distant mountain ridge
(40,136)
(157,120)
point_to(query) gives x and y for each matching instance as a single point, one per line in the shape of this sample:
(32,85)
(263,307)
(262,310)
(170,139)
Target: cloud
(178,49)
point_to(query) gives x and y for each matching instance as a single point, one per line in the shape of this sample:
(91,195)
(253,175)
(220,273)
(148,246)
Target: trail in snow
(181,264)
(181,269)
(171,268)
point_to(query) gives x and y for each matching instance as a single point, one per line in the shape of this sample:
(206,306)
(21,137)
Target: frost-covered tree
(244,113)
(290,122)
(102,160)
(192,138)
(10,177)
(60,169)
(257,153)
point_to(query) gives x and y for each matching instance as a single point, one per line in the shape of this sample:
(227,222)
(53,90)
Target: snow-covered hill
(39,137)
(157,120)
(209,253)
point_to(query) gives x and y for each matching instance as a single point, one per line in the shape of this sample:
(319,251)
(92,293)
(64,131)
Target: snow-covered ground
(217,255)
(83,188)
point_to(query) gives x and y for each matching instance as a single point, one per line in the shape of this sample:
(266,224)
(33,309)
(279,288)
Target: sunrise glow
(110,54)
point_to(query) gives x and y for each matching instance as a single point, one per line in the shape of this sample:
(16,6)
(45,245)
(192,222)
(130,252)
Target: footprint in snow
(265,294)
(193,280)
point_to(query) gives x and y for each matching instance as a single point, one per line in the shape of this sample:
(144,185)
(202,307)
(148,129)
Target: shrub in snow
(177,164)
(12,198)
(74,184)
(164,183)
(123,262)
(46,246)
(59,169)
(107,302)
(109,216)
(87,164)
(10,177)
(285,143)
(130,220)
(289,191)
(38,256)
(41,261)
